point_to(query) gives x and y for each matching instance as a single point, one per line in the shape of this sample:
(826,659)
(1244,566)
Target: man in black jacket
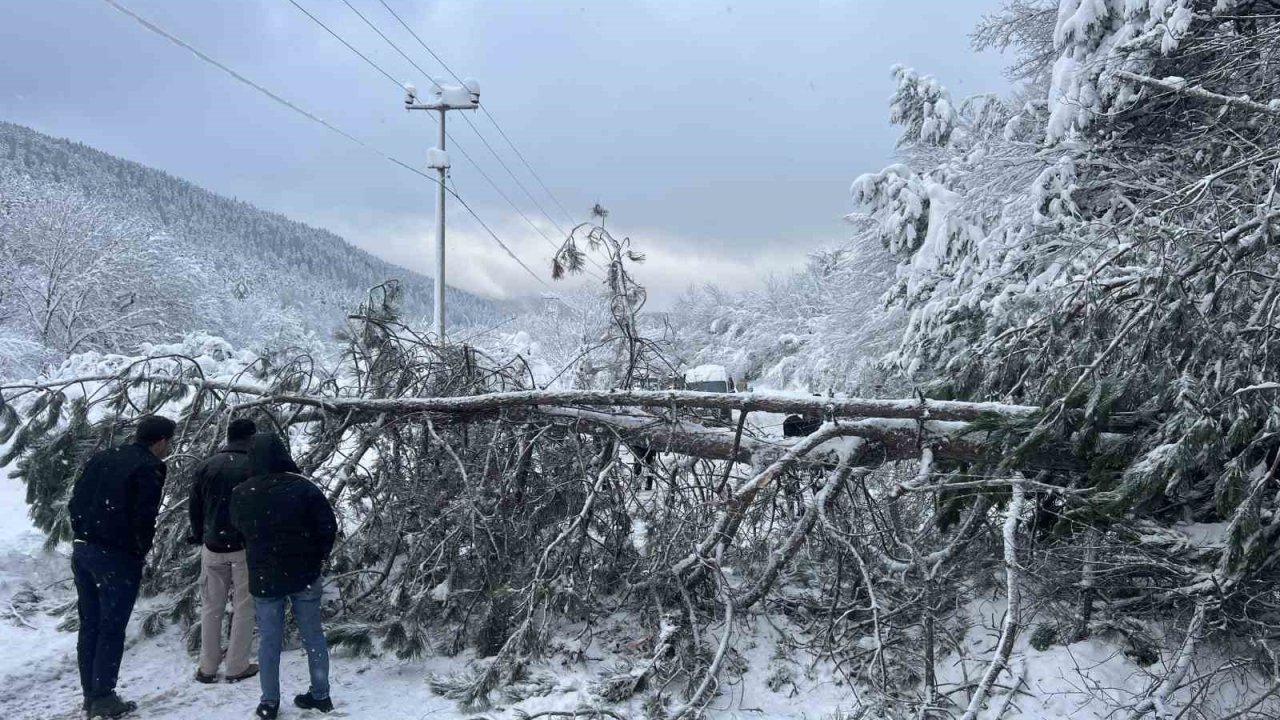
(222,559)
(113,511)
(289,530)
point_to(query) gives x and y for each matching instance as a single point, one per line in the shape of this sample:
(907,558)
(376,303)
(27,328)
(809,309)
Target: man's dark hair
(241,429)
(152,429)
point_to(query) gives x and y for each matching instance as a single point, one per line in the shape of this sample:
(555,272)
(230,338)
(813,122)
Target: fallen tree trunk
(893,429)
(941,410)
(888,440)
(749,402)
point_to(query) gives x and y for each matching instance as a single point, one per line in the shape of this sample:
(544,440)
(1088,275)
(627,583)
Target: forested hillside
(182,258)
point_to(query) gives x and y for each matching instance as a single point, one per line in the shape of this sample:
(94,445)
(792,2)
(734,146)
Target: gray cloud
(721,135)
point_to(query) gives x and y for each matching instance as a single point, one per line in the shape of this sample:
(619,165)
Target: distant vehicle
(653,382)
(710,378)
(704,378)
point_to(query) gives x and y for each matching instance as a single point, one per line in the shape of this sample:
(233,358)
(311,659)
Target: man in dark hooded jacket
(289,530)
(223,569)
(113,511)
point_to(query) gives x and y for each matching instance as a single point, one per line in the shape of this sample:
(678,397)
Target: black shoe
(206,679)
(249,672)
(306,702)
(111,706)
(267,711)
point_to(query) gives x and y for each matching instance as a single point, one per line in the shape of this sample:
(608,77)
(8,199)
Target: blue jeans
(106,586)
(306,613)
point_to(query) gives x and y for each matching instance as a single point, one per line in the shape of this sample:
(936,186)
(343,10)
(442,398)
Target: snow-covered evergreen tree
(1103,245)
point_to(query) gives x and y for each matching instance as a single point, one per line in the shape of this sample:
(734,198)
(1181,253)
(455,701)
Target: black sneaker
(267,711)
(307,702)
(206,679)
(111,706)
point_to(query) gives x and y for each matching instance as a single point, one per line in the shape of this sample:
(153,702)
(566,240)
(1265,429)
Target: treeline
(232,269)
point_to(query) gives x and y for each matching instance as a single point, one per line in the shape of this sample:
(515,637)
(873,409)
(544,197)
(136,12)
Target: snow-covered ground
(38,678)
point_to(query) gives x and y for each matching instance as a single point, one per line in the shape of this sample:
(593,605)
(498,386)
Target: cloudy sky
(722,136)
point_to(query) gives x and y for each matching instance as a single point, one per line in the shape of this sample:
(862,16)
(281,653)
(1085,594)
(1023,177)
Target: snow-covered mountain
(250,265)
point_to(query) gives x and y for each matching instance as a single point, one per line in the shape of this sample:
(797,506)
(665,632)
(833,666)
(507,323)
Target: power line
(495,237)
(486,112)
(427,75)
(315,118)
(528,194)
(568,215)
(458,146)
(395,47)
(454,193)
(492,151)
(183,44)
(519,184)
(350,47)
(433,54)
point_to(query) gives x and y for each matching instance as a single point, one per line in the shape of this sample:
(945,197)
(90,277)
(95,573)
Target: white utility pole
(447,97)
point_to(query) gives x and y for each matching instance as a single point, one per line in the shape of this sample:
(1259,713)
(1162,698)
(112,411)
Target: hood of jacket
(269,456)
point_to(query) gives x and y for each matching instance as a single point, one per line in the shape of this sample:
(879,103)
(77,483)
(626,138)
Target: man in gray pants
(223,569)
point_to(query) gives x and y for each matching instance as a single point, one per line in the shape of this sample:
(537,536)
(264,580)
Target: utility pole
(447,97)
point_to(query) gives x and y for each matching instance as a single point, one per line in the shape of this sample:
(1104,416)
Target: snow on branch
(1178,86)
(892,428)
(1260,387)
(942,410)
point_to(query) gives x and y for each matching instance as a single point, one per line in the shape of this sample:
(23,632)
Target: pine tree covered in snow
(1103,245)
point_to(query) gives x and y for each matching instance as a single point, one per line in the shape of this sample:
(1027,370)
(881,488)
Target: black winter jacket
(210,504)
(116,498)
(288,526)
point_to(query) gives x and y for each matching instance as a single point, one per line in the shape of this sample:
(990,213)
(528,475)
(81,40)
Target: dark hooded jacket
(287,523)
(116,498)
(210,505)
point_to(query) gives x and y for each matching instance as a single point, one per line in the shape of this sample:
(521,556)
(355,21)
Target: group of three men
(264,531)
